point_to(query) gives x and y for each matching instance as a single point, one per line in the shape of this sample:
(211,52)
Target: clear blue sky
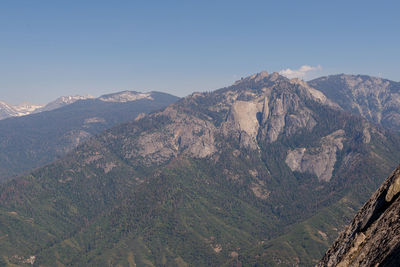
(53,48)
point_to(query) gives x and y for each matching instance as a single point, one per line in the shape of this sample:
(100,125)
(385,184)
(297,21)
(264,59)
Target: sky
(54,48)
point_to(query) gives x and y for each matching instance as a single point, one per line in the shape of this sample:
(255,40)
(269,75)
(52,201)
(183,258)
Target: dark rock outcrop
(373,238)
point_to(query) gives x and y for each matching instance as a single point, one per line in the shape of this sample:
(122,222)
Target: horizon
(53,49)
(212,89)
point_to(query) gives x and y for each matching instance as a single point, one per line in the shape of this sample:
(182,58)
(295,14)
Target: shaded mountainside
(373,237)
(376,99)
(263,172)
(31,141)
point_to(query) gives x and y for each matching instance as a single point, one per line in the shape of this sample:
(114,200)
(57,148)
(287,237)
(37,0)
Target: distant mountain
(26,109)
(373,237)
(7,110)
(31,141)
(265,172)
(62,101)
(376,99)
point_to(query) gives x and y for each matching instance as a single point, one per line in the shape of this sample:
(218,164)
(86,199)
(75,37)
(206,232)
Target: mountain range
(30,141)
(8,110)
(265,172)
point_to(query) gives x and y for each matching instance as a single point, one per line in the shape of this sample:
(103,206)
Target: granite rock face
(373,237)
(257,108)
(319,160)
(185,134)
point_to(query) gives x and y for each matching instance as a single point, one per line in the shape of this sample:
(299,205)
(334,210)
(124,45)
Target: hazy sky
(54,48)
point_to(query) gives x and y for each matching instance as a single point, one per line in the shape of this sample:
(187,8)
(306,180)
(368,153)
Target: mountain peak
(7,110)
(261,76)
(265,83)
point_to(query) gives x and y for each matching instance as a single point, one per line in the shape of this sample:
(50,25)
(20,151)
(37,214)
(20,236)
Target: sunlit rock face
(317,160)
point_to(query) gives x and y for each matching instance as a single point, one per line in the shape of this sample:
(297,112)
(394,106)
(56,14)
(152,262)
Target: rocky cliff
(373,237)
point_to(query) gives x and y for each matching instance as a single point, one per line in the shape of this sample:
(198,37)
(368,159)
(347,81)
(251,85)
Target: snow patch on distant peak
(125,96)
(26,108)
(7,110)
(6,107)
(71,99)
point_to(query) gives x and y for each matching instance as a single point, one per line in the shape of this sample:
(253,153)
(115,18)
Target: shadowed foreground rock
(373,238)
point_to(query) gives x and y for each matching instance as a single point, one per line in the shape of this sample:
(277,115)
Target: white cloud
(300,72)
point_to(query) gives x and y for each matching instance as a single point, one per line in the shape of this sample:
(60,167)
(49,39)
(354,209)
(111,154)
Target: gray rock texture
(373,237)
(319,160)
